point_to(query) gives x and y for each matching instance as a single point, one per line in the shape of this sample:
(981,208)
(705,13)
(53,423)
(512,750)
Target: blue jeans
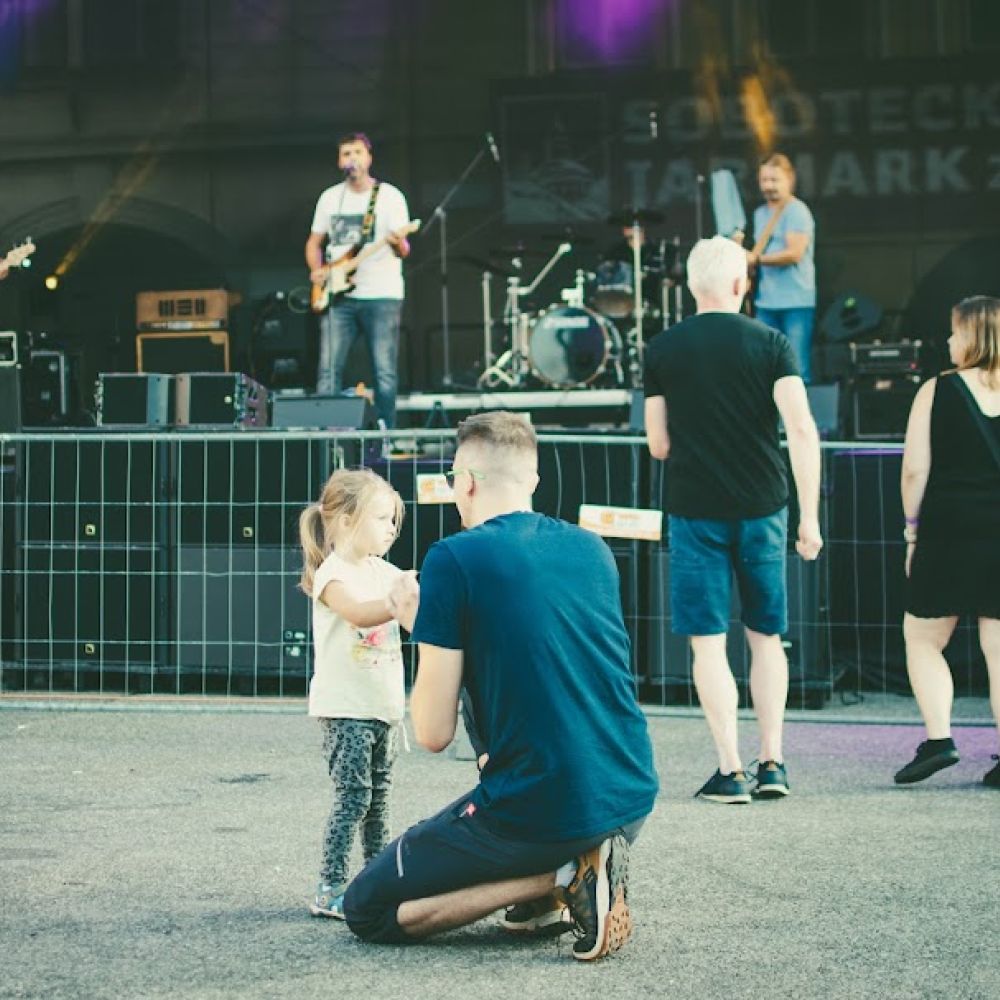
(797,326)
(704,556)
(377,320)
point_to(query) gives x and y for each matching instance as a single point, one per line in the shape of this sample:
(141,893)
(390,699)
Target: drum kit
(594,335)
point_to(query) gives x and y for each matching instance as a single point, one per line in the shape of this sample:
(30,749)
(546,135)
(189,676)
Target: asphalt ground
(171,850)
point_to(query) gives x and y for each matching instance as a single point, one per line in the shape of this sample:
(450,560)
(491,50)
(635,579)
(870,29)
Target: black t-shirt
(717,373)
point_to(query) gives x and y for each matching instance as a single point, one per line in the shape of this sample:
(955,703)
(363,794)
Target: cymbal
(644,216)
(568,236)
(520,250)
(486,265)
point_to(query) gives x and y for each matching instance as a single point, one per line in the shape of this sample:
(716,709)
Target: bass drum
(572,346)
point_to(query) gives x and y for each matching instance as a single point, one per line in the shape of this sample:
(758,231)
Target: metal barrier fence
(169,562)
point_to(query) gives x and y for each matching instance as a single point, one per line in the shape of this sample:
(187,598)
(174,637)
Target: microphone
(492,143)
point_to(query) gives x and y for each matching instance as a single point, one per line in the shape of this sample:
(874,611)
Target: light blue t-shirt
(794,286)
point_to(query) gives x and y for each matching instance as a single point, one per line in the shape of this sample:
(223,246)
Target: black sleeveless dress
(956,562)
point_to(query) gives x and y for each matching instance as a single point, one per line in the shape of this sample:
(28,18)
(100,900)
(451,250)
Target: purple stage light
(609,30)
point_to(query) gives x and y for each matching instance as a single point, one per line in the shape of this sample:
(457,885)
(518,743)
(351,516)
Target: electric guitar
(340,272)
(18,255)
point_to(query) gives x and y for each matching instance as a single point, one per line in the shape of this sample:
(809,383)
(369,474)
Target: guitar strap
(979,418)
(765,236)
(368,222)
(758,249)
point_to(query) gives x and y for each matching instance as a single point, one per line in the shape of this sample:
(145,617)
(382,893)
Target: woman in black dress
(951,502)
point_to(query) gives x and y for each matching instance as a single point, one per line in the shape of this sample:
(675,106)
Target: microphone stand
(441,215)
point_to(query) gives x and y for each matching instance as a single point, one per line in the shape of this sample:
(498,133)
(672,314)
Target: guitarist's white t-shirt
(339,215)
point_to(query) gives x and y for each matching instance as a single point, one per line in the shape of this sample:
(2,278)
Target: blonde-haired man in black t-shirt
(715,385)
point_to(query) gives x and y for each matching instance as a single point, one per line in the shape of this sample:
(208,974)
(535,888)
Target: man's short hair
(782,163)
(499,431)
(714,264)
(355,137)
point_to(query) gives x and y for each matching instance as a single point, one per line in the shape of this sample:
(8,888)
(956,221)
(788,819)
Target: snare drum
(614,288)
(571,346)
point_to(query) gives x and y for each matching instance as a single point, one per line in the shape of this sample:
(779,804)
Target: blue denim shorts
(705,555)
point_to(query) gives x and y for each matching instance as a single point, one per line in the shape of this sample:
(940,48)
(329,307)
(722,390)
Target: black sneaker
(992,777)
(930,757)
(730,789)
(598,900)
(772,780)
(544,917)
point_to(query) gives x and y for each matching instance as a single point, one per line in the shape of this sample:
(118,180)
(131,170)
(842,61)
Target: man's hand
(4,271)
(318,275)
(399,243)
(810,541)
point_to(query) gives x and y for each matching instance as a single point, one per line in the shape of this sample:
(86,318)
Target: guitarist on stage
(358,212)
(785,236)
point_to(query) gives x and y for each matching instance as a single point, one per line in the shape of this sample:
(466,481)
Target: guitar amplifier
(214,399)
(882,406)
(134,400)
(189,309)
(877,357)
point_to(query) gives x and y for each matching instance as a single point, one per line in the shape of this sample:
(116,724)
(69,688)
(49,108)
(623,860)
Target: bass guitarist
(358,211)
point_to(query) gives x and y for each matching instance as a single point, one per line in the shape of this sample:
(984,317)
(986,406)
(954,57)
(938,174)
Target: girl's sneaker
(329,901)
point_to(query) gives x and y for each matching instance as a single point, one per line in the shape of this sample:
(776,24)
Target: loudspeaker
(810,677)
(10,399)
(94,492)
(220,399)
(239,611)
(134,400)
(882,405)
(93,607)
(244,493)
(174,353)
(309,412)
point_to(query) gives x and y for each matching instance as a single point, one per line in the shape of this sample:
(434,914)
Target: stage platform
(618,408)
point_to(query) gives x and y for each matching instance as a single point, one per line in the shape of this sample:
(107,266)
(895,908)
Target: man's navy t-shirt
(534,604)
(716,372)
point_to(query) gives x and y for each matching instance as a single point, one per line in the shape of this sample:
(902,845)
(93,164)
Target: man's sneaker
(931,756)
(598,900)
(730,789)
(772,780)
(329,901)
(992,777)
(543,917)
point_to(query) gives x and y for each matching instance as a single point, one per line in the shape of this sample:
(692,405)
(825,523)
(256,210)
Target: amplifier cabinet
(134,400)
(899,358)
(882,406)
(173,353)
(212,399)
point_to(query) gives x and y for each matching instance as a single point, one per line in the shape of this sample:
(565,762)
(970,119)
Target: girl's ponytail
(312,536)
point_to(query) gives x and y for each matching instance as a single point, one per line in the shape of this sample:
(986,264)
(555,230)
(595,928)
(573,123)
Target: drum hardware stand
(487,286)
(634,336)
(512,366)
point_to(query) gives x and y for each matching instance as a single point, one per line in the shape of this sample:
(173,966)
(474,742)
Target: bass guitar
(340,272)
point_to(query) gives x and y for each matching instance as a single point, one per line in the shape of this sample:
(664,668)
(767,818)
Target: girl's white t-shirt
(357,672)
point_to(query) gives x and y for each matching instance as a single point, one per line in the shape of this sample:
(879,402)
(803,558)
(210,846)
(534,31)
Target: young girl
(357,685)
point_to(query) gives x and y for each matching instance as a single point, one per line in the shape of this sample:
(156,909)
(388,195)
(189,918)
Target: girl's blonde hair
(346,495)
(978,318)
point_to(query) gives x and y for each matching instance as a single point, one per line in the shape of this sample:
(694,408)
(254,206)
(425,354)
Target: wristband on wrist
(912,520)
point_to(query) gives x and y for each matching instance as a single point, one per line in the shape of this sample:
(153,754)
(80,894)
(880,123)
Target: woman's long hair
(336,515)
(978,318)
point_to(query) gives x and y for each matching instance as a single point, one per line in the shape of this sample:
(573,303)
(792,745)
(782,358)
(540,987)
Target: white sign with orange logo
(432,487)
(622,522)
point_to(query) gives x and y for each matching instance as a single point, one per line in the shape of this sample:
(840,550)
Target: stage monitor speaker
(329,412)
(10,399)
(134,400)
(220,399)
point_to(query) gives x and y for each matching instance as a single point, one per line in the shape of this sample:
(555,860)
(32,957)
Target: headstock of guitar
(19,254)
